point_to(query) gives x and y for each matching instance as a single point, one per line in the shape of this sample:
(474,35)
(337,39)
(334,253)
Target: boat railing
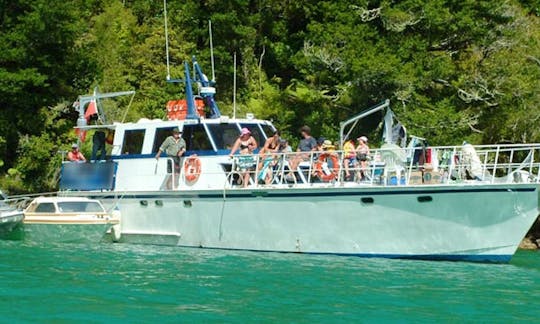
(393,166)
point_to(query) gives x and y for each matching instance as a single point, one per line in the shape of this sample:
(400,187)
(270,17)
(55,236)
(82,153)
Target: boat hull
(60,233)
(474,223)
(9,220)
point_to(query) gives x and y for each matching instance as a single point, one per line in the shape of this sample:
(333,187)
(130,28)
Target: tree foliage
(453,70)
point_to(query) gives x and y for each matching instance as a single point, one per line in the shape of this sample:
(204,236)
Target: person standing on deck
(175,147)
(362,154)
(349,158)
(98,145)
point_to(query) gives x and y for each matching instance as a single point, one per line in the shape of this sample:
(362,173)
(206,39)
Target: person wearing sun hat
(245,144)
(174,146)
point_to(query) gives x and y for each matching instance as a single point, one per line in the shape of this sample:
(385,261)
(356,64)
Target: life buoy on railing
(318,167)
(192,169)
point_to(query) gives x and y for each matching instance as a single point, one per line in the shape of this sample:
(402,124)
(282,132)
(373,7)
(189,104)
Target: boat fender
(116,230)
(192,169)
(318,167)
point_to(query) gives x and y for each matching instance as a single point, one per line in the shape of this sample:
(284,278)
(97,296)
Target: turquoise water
(133,283)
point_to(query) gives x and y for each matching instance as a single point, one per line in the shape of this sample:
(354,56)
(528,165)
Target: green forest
(454,70)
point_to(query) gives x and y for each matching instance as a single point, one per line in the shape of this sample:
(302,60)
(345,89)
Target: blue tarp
(88,176)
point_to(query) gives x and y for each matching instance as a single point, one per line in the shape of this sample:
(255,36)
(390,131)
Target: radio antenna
(211,51)
(166,40)
(234,87)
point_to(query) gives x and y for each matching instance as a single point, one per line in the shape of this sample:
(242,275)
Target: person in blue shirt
(307,145)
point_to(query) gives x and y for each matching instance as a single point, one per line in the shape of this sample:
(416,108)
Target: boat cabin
(206,137)
(54,205)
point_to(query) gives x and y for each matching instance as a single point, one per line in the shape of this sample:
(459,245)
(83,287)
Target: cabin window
(133,141)
(224,135)
(196,138)
(161,135)
(45,208)
(80,207)
(268,130)
(256,133)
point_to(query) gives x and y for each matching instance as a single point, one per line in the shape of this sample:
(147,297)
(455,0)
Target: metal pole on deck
(234,87)
(211,51)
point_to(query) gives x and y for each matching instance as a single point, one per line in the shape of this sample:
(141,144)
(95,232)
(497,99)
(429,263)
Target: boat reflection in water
(66,219)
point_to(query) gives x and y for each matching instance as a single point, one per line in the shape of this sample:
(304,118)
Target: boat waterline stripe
(490,258)
(270,194)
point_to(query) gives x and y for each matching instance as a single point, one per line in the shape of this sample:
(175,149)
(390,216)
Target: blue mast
(191,112)
(207,90)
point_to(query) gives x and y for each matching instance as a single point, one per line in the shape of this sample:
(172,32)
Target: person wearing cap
(75,155)
(174,146)
(362,153)
(245,144)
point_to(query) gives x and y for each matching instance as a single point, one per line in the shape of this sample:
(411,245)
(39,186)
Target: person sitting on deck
(75,155)
(349,158)
(320,144)
(175,147)
(245,144)
(284,146)
(362,153)
(268,157)
(307,145)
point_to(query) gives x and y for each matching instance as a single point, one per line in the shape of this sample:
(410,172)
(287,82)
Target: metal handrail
(447,172)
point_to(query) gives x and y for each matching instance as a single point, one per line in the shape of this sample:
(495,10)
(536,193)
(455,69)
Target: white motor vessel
(464,202)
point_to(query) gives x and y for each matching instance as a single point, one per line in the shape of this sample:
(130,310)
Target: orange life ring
(192,169)
(318,167)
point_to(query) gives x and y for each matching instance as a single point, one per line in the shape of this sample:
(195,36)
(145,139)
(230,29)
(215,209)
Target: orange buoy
(318,167)
(192,169)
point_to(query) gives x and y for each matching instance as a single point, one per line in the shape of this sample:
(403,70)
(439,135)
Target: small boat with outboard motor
(67,219)
(10,216)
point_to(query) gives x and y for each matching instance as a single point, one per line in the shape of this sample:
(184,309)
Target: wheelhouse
(205,137)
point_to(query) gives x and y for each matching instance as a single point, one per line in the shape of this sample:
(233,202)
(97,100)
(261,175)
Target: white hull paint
(473,222)
(9,219)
